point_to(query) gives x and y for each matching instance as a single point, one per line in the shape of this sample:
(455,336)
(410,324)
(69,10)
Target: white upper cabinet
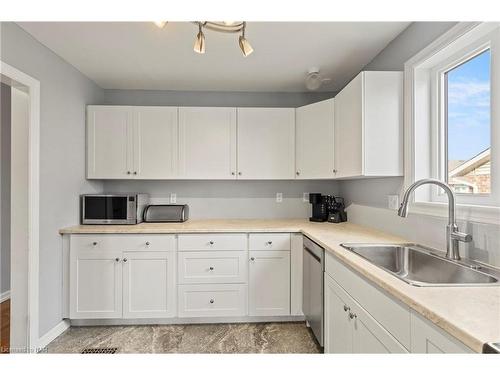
(207,143)
(131,142)
(266,143)
(155,142)
(315,140)
(109,148)
(368,126)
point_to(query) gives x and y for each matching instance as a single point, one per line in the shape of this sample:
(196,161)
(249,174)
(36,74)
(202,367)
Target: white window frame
(423,118)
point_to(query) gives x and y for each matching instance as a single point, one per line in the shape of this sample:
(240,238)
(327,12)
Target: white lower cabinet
(95,284)
(212,300)
(148,284)
(350,329)
(269,283)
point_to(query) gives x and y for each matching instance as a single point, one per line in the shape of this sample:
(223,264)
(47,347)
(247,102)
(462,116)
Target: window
(467,123)
(452,121)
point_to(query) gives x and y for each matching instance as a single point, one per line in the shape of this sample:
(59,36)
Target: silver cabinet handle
(212,301)
(124,260)
(346,308)
(352,315)
(117,259)
(211,268)
(147,243)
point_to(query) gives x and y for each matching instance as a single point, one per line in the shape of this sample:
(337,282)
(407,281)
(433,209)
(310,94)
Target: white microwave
(113,208)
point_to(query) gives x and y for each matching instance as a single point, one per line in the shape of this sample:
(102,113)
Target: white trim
(33,86)
(52,334)
(423,58)
(4,296)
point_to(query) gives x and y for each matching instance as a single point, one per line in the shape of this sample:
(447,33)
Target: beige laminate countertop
(470,314)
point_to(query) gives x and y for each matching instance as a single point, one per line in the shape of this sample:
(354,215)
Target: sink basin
(420,266)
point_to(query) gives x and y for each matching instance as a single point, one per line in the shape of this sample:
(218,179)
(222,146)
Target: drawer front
(212,242)
(123,242)
(269,241)
(212,300)
(200,267)
(392,315)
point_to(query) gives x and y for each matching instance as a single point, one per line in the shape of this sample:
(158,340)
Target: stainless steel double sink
(421,266)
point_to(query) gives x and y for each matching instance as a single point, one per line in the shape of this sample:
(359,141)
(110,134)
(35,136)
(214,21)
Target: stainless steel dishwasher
(312,287)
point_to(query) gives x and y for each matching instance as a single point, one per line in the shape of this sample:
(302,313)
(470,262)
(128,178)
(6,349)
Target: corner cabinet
(314,151)
(266,143)
(368,126)
(131,142)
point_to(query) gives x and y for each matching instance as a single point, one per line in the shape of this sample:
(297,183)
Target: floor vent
(99,351)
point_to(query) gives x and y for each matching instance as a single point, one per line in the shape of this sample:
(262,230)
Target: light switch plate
(393,202)
(173,198)
(305,197)
(279,197)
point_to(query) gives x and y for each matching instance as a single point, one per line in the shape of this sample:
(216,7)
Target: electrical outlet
(393,202)
(305,197)
(279,197)
(173,198)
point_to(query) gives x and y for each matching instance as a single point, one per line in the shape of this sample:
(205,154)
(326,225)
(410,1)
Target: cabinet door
(266,143)
(155,142)
(109,137)
(269,283)
(149,289)
(338,328)
(428,338)
(207,143)
(315,140)
(95,284)
(348,129)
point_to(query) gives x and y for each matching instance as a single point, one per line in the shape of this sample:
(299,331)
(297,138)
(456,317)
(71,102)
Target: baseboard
(4,296)
(205,320)
(52,334)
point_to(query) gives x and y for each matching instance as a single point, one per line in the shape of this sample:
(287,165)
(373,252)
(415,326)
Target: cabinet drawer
(269,241)
(123,242)
(212,267)
(194,242)
(212,300)
(392,315)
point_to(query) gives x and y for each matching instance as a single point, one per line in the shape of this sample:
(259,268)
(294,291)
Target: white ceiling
(139,55)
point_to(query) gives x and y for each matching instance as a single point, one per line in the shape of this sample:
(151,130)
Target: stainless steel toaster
(166,213)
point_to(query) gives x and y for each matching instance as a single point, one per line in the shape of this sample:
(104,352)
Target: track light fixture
(224,27)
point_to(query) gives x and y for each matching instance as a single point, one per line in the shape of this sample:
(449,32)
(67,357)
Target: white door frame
(17,77)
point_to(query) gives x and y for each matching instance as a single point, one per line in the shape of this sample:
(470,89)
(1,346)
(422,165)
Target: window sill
(478,214)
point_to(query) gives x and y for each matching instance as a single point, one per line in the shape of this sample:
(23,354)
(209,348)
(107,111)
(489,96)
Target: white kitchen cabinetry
(95,284)
(207,143)
(427,338)
(122,276)
(314,154)
(131,142)
(350,329)
(266,143)
(368,126)
(148,284)
(269,283)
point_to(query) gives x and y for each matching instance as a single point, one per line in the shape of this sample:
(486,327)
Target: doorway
(19,221)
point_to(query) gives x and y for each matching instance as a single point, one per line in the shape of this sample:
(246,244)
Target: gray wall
(64,94)
(5,109)
(232,199)
(213,99)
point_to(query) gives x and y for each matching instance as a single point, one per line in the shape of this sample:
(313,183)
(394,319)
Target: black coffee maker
(327,208)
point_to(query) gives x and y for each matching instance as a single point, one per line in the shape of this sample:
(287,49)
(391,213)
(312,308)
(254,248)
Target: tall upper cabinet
(131,142)
(368,126)
(314,155)
(266,143)
(207,143)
